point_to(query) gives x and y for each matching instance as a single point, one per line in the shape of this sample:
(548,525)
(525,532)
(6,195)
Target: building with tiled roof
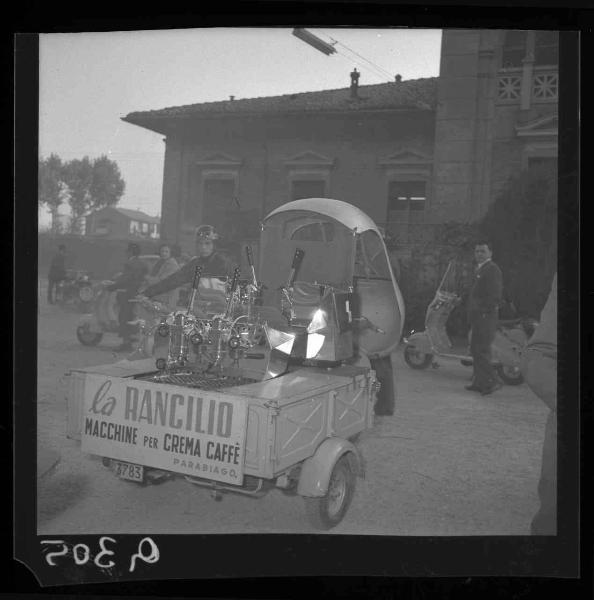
(228,163)
(411,154)
(115,222)
(417,94)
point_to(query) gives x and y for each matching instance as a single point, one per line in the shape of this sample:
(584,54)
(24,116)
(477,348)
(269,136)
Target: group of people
(539,365)
(162,283)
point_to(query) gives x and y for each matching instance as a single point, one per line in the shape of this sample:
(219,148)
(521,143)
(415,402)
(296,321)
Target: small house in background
(117,223)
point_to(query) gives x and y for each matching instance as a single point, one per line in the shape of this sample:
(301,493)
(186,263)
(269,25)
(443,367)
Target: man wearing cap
(213,263)
(127,284)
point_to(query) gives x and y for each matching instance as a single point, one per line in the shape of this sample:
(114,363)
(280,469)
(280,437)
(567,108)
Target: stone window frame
(408,165)
(309,166)
(312,175)
(406,177)
(539,149)
(216,166)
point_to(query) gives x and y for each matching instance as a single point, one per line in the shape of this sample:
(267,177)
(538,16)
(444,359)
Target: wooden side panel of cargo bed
(300,429)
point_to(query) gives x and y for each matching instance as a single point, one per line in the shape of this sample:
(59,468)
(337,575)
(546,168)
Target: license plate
(129,471)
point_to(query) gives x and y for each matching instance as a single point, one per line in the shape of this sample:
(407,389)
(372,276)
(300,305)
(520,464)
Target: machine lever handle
(297,260)
(197,275)
(250,255)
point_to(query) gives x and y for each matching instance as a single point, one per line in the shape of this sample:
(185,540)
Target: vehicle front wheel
(328,511)
(86,294)
(510,375)
(416,359)
(87,337)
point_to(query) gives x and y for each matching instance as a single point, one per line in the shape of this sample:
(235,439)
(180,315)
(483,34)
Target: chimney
(354,83)
(398,78)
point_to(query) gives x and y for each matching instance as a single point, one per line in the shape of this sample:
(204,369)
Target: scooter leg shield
(91,323)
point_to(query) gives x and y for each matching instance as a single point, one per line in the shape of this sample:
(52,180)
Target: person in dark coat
(213,263)
(539,368)
(57,272)
(128,284)
(483,312)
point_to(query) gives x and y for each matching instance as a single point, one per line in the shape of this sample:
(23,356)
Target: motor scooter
(75,290)
(103,317)
(422,347)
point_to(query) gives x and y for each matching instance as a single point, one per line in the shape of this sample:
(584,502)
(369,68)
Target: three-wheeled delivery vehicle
(272,391)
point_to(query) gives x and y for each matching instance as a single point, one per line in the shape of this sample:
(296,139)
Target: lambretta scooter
(102,318)
(422,347)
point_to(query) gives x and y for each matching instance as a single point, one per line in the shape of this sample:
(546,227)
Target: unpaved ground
(449,462)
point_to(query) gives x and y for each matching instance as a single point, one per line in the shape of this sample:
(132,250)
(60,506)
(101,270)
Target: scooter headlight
(315,341)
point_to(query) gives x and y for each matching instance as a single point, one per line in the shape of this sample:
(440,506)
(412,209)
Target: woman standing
(164,267)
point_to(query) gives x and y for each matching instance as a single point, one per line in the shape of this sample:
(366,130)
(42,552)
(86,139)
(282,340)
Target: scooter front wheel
(87,337)
(510,375)
(416,359)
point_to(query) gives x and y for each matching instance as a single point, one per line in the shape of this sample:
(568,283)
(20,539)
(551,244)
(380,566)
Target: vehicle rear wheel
(328,511)
(510,375)
(416,359)
(87,337)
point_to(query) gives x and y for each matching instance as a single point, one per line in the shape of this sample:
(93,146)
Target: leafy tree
(107,185)
(91,185)
(78,176)
(522,223)
(50,188)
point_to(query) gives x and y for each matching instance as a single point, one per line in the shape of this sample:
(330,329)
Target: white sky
(89,80)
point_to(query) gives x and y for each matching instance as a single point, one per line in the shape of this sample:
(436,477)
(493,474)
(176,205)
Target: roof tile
(415,93)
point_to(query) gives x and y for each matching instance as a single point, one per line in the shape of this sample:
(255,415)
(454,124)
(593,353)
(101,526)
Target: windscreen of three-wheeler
(328,245)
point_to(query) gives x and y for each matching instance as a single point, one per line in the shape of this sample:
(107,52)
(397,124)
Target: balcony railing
(544,86)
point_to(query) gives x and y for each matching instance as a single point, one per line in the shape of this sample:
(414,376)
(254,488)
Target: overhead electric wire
(363,65)
(376,69)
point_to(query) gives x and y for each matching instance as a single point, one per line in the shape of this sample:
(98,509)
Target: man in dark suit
(483,311)
(57,272)
(127,284)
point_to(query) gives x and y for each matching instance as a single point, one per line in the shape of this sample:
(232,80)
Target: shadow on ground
(58,493)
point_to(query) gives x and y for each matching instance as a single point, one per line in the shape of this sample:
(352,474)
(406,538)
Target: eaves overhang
(168,124)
